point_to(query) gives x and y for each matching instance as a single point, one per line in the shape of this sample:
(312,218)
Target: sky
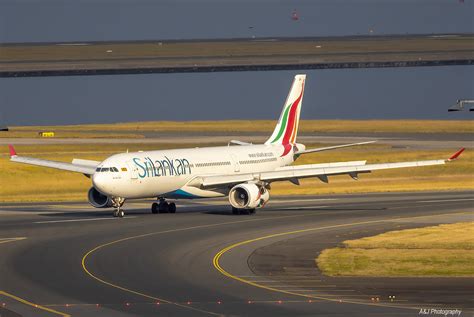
(102,20)
(395,93)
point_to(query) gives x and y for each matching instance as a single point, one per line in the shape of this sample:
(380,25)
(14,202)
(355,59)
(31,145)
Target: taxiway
(71,259)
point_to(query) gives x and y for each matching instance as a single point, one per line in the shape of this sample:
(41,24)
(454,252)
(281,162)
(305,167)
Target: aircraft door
(133,170)
(236,163)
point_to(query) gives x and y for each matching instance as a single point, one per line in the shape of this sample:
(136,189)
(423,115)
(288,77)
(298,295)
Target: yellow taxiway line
(6,240)
(90,252)
(24,301)
(218,266)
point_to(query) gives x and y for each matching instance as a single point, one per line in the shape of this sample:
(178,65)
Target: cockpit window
(115,169)
(97,169)
(104,169)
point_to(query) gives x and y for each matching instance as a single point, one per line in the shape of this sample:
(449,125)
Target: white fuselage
(165,173)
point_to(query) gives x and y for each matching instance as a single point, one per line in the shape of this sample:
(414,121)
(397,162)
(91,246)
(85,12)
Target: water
(392,93)
(421,93)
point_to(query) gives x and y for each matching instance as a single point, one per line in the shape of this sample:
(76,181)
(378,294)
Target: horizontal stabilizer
(237,142)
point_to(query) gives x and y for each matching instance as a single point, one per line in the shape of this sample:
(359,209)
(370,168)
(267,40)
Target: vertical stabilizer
(287,126)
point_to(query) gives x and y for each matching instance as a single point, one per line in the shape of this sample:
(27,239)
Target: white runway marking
(444,200)
(79,220)
(12,212)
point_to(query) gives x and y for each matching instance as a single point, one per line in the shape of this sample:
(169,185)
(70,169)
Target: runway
(396,140)
(224,55)
(70,259)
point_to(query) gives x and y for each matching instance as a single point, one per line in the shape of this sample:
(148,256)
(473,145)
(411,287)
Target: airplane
(242,171)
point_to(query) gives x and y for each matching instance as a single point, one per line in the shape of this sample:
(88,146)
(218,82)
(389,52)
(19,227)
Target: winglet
(456,155)
(12,150)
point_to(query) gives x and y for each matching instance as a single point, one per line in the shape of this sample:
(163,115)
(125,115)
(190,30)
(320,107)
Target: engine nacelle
(248,196)
(97,199)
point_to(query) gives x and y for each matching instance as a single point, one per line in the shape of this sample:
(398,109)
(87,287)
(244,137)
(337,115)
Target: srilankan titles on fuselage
(147,167)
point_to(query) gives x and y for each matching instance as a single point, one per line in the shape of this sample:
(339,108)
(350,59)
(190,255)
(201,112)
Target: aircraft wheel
(252,211)
(115,213)
(155,208)
(163,208)
(245,211)
(172,208)
(121,213)
(235,211)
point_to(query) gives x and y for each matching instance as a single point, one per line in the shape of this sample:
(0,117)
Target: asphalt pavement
(60,259)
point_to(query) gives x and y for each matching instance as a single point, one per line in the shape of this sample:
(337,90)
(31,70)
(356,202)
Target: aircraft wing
(305,171)
(86,168)
(332,147)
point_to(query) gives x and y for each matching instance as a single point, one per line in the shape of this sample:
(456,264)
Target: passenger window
(105,169)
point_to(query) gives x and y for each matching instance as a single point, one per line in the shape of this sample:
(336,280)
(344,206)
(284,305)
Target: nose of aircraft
(98,181)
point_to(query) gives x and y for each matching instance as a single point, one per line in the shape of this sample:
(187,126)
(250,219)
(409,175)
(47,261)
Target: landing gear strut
(117,203)
(163,207)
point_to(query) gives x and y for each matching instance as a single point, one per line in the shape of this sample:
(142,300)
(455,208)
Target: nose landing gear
(119,213)
(117,203)
(163,207)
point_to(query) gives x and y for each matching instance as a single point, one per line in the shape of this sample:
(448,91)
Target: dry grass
(62,134)
(306,126)
(19,182)
(450,236)
(444,250)
(226,48)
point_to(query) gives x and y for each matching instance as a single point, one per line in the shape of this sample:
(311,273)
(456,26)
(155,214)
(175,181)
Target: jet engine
(97,199)
(248,196)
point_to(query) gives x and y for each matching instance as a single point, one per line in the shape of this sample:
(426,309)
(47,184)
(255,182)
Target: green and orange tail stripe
(287,128)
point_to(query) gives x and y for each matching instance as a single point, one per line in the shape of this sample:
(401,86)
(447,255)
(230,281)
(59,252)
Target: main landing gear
(238,211)
(117,203)
(119,213)
(163,207)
